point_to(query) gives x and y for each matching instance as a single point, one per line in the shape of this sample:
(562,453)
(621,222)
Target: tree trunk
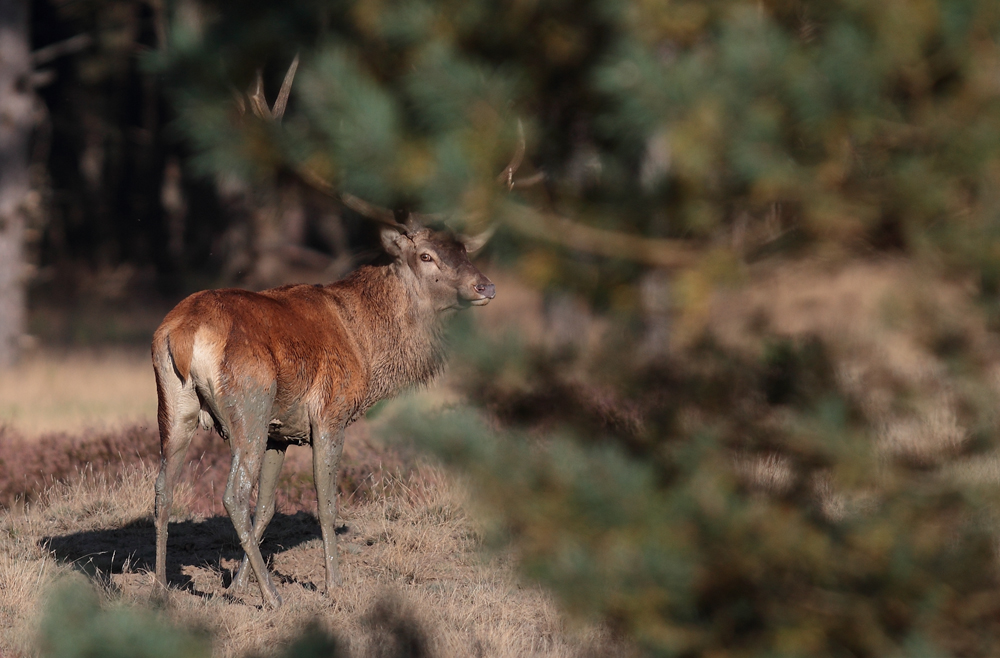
(16,105)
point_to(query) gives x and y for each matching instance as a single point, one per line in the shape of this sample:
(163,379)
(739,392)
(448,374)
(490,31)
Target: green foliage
(79,624)
(871,123)
(405,103)
(837,126)
(652,529)
(76,626)
(314,642)
(627,488)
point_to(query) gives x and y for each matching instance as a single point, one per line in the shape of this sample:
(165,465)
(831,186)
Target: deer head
(437,267)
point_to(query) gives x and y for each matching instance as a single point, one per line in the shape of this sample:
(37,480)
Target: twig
(41,572)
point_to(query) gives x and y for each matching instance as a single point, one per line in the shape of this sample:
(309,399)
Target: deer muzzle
(485,292)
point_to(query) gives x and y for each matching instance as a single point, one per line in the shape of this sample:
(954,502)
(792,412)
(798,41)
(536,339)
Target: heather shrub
(29,465)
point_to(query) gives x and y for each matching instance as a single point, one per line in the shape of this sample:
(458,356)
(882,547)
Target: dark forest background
(107,161)
(121,222)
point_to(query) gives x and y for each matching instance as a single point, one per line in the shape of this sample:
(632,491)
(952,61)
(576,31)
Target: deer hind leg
(177,416)
(248,442)
(274,457)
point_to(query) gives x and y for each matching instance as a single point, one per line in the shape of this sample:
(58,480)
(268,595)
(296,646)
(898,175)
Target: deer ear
(391,237)
(474,243)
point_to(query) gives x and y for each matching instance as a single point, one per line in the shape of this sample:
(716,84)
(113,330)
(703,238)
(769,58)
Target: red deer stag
(298,364)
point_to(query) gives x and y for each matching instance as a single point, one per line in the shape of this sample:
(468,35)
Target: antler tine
(286,88)
(258,102)
(507,175)
(530,181)
(409,220)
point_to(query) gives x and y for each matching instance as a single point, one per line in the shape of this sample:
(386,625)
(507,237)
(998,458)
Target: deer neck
(405,336)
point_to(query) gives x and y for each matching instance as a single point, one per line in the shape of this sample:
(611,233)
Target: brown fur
(297,364)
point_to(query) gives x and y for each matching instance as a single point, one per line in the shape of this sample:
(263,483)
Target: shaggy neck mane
(410,348)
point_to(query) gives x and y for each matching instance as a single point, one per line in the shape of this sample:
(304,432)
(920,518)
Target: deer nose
(487,290)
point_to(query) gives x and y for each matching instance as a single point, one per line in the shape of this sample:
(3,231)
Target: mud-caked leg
(178,420)
(170,467)
(248,445)
(327,447)
(274,457)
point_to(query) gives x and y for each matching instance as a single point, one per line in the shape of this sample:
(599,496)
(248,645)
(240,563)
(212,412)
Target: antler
(506,176)
(259,106)
(258,101)
(281,102)
(657,252)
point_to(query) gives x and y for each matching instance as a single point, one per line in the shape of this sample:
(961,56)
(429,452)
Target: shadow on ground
(203,544)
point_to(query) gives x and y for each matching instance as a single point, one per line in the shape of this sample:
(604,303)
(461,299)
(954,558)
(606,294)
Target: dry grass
(408,541)
(73,391)
(887,324)
(78,451)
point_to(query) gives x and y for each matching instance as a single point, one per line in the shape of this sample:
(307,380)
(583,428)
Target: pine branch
(657,252)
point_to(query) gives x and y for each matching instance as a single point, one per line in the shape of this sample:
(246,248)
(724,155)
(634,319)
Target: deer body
(344,346)
(298,364)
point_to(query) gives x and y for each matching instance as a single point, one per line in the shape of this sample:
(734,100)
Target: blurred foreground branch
(356,204)
(656,252)
(555,229)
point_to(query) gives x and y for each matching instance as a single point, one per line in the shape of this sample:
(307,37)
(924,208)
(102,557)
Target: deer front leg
(274,457)
(328,444)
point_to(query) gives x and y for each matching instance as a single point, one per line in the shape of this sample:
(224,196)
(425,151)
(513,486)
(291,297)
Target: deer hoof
(273,602)
(238,587)
(160,594)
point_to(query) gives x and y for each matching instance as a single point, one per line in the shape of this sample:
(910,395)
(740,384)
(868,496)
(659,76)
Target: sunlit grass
(409,541)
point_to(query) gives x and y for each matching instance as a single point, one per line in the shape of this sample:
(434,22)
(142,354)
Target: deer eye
(425,257)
